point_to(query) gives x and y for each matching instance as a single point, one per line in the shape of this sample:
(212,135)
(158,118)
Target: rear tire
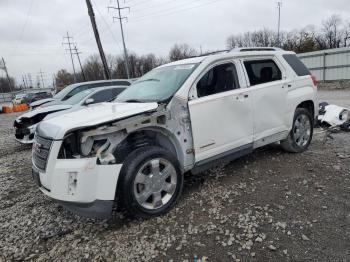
(150,183)
(300,136)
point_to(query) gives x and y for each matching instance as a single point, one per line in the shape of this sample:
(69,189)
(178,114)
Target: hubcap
(155,183)
(302,130)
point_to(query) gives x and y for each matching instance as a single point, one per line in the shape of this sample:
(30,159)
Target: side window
(219,79)
(76,91)
(102,96)
(262,71)
(116,91)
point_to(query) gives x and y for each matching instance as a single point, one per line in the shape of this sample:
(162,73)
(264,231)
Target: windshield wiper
(133,101)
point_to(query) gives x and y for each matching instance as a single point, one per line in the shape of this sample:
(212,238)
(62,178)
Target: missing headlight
(70,147)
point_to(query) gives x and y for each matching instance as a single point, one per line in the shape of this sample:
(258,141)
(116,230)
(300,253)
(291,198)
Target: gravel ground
(268,206)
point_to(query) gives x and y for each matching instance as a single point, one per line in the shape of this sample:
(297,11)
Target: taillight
(314,80)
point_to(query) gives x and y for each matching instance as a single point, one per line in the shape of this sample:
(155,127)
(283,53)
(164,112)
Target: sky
(31,31)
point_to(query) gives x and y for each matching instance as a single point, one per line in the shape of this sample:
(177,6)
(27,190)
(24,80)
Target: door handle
(246,96)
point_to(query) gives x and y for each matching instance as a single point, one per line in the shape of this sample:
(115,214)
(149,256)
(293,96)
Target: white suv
(189,115)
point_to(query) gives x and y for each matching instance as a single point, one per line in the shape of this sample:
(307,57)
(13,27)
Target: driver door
(221,114)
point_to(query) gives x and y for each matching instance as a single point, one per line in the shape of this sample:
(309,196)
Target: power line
(24,25)
(121,18)
(69,43)
(157,5)
(108,27)
(171,11)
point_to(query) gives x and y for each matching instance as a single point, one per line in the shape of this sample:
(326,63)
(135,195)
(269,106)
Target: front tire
(300,136)
(151,182)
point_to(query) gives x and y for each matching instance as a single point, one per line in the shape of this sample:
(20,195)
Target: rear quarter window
(299,68)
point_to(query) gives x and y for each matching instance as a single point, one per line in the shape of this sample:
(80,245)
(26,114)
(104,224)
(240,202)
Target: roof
(237,52)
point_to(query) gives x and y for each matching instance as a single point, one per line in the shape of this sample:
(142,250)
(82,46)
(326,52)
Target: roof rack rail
(212,53)
(250,49)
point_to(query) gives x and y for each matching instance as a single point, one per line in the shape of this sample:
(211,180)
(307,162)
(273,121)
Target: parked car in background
(32,97)
(73,89)
(188,115)
(25,124)
(18,99)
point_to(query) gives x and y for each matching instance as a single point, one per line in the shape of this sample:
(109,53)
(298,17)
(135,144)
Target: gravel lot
(268,206)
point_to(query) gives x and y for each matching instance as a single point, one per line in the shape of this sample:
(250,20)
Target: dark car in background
(32,97)
(74,89)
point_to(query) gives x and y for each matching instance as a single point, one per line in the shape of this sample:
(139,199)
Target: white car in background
(188,115)
(73,89)
(25,124)
(18,99)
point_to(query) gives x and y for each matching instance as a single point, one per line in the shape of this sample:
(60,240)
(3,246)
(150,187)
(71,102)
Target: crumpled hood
(57,127)
(41,102)
(41,110)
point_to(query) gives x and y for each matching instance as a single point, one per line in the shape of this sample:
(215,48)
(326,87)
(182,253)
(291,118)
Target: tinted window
(299,68)
(219,79)
(102,96)
(117,91)
(77,98)
(262,71)
(80,89)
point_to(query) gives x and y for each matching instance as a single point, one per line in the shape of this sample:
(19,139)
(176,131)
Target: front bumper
(80,185)
(96,209)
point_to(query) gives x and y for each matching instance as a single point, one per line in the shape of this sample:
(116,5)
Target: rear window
(299,68)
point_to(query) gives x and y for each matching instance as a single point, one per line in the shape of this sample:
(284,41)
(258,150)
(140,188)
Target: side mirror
(89,101)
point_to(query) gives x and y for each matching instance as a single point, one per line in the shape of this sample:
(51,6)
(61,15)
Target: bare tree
(63,78)
(5,85)
(346,33)
(332,32)
(181,51)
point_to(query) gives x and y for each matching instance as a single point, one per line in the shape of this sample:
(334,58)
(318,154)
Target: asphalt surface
(267,206)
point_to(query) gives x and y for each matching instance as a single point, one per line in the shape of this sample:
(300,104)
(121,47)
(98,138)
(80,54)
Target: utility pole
(120,18)
(42,79)
(98,40)
(30,80)
(69,43)
(26,80)
(81,67)
(54,83)
(24,83)
(279,6)
(7,75)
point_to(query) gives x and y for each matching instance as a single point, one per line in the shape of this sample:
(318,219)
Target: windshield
(157,85)
(64,91)
(77,98)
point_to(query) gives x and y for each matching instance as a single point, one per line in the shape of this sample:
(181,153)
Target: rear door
(268,86)
(221,114)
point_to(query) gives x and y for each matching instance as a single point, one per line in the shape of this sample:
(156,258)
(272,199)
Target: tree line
(333,32)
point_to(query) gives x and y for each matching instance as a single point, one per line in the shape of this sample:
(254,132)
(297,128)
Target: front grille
(41,152)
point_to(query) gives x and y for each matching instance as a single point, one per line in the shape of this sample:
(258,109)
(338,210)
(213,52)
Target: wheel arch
(309,105)
(156,136)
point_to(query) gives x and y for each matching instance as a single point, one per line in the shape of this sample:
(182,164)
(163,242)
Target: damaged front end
(111,142)
(25,129)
